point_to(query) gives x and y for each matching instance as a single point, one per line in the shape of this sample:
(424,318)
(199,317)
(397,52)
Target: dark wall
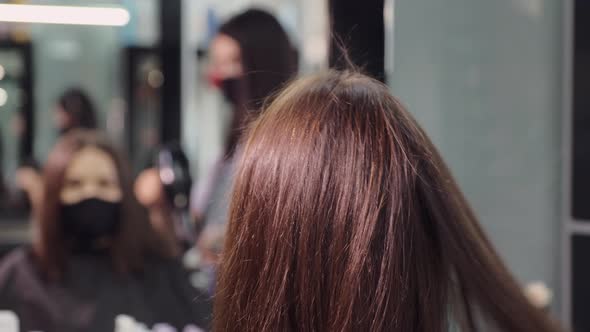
(358,27)
(170,56)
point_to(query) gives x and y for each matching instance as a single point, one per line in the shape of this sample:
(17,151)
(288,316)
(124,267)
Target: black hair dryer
(174,172)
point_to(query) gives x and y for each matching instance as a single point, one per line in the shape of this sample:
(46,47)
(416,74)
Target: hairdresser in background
(345,218)
(94,255)
(251,58)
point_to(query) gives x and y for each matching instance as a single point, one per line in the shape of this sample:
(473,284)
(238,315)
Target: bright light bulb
(64,15)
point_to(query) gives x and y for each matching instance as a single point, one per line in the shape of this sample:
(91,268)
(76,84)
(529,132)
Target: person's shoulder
(14,261)
(15,258)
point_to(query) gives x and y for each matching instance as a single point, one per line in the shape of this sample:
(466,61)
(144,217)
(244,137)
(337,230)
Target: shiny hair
(135,239)
(345,218)
(269,61)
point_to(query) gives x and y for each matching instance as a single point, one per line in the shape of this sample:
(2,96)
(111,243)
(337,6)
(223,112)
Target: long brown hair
(135,239)
(345,218)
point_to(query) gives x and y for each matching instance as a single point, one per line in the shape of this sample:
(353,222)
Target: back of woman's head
(269,59)
(345,218)
(79,109)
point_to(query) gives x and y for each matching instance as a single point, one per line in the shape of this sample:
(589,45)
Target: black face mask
(232,89)
(90,219)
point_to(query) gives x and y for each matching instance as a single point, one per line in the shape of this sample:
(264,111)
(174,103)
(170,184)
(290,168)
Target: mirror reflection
(168,165)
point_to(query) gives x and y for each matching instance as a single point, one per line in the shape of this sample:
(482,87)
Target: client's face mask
(91,219)
(91,197)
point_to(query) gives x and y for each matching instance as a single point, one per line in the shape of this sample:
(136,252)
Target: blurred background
(500,87)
